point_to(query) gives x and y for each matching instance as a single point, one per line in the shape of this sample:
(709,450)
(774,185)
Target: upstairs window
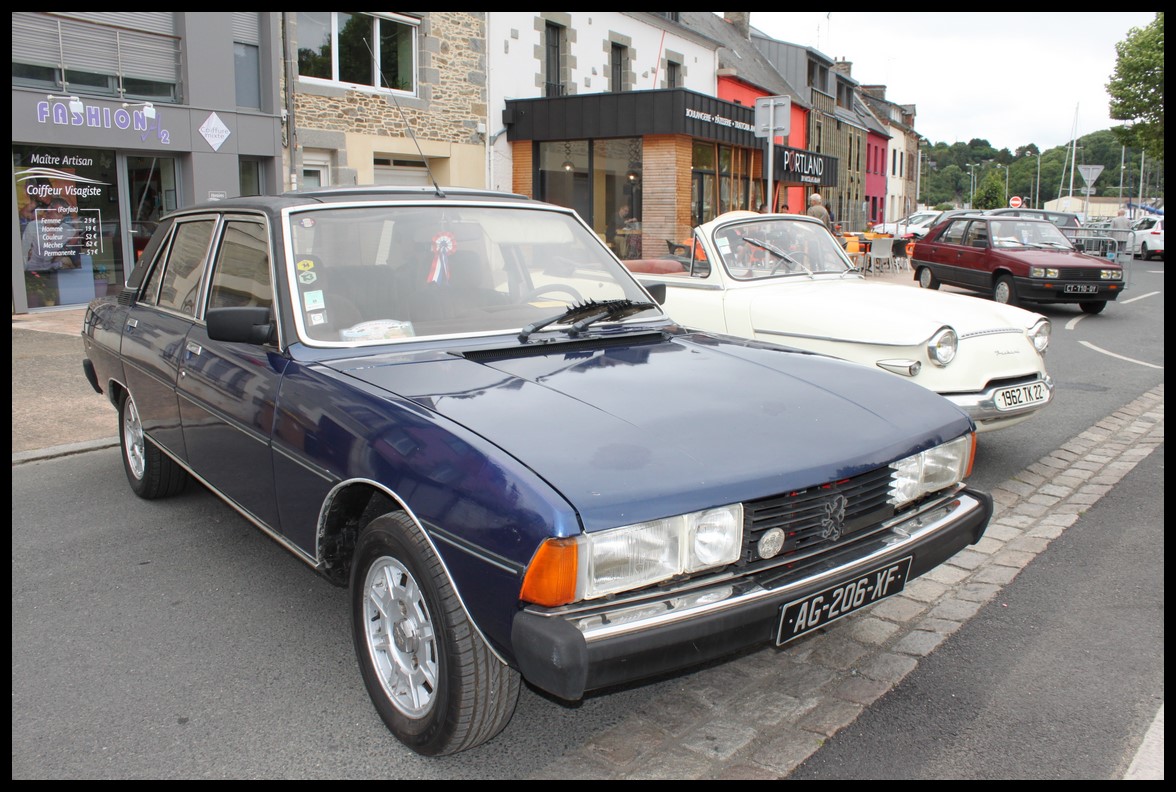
(361,50)
(673,74)
(553,49)
(618,65)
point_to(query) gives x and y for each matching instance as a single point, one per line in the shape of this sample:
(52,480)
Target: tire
(1004,291)
(1093,307)
(927,278)
(431,676)
(151,473)
(1143,252)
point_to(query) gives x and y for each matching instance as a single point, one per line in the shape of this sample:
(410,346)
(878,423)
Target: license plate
(1021,396)
(1081,288)
(816,610)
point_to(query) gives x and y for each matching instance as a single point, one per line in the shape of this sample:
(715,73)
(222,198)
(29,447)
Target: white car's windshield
(779,247)
(372,273)
(1018,233)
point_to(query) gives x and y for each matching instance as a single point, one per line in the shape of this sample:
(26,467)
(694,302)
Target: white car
(785,279)
(916,224)
(1148,238)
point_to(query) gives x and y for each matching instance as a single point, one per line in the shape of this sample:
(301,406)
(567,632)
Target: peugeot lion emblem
(834,521)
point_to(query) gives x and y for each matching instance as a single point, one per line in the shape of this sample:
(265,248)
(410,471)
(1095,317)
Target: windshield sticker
(313,300)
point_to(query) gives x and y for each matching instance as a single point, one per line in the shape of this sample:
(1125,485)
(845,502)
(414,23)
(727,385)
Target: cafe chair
(881,254)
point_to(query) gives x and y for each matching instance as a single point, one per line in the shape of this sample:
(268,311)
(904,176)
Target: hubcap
(1002,293)
(401,641)
(133,440)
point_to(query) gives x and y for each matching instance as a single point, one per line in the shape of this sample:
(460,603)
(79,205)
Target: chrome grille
(804,516)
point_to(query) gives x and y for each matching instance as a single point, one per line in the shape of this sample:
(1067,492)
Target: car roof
(326,195)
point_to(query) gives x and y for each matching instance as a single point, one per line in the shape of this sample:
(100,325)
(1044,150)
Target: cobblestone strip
(761,715)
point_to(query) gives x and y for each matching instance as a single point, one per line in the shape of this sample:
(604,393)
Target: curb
(63,450)
(760,716)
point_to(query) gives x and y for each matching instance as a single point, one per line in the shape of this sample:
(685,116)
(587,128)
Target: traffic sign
(1090,173)
(773,116)
(1015,202)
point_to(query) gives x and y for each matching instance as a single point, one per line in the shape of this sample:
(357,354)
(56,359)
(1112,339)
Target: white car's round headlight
(942,346)
(1040,334)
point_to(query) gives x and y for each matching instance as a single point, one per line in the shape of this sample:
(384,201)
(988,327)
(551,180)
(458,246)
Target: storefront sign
(214,131)
(711,118)
(80,114)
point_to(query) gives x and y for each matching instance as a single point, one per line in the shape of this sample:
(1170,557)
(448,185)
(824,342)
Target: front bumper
(1043,290)
(570,651)
(982,407)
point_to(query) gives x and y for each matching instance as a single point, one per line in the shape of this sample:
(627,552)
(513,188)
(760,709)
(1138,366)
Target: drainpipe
(288,111)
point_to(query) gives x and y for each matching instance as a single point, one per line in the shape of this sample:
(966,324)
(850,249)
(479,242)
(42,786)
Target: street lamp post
(971,183)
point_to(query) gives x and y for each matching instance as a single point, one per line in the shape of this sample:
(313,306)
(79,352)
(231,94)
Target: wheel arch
(347,510)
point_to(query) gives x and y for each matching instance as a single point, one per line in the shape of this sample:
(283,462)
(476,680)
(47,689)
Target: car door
(157,326)
(944,255)
(228,391)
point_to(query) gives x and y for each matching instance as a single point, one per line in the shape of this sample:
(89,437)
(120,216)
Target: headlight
(1111,274)
(942,346)
(1039,335)
(633,556)
(1043,272)
(932,470)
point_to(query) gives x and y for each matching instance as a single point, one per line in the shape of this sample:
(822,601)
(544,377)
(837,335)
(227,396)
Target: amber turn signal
(551,577)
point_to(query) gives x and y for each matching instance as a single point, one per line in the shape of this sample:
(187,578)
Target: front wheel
(927,278)
(1143,252)
(1093,307)
(151,473)
(431,676)
(1004,292)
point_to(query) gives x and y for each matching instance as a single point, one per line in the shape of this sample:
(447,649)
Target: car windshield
(370,273)
(1016,232)
(779,247)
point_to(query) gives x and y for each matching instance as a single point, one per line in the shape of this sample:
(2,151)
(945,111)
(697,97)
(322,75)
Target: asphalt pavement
(55,412)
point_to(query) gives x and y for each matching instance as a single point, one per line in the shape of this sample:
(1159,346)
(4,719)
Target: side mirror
(249,325)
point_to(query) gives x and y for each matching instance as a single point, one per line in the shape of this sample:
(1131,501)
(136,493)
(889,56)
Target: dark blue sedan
(461,406)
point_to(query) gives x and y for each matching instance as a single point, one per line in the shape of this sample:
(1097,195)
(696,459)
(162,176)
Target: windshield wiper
(588,313)
(780,254)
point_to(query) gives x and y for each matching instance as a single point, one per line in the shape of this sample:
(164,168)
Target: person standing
(1121,229)
(817,209)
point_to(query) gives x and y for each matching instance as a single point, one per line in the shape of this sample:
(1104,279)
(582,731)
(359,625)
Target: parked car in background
(461,406)
(786,280)
(1015,260)
(1148,239)
(1067,221)
(914,225)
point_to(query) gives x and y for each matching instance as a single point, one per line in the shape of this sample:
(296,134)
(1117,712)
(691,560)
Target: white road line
(1140,297)
(1120,357)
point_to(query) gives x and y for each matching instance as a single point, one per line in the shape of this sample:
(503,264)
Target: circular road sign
(1015,202)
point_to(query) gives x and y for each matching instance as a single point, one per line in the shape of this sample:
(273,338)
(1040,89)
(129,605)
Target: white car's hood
(857,310)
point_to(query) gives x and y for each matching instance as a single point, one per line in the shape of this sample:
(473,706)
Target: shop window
(250,173)
(333,46)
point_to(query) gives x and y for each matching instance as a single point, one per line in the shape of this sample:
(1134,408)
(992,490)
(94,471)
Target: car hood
(640,427)
(861,311)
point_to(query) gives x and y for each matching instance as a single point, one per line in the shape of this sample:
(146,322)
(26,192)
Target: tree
(1137,88)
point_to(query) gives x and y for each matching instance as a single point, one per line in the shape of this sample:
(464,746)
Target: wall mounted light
(568,165)
(148,109)
(75,104)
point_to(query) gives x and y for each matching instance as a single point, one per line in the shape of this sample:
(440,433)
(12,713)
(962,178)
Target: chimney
(843,66)
(741,20)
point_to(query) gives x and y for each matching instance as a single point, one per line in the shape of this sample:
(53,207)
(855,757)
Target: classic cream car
(785,279)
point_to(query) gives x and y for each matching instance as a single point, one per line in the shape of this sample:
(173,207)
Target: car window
(373,273)
(183,269)
(773,247)
(954,233)
(241,276)
(977,234)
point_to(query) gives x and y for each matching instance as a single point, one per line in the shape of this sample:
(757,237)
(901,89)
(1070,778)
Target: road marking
(1073,322)
(1120,357)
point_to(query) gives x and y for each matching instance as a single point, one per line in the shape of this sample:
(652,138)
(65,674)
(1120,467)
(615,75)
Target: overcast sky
(1009,78)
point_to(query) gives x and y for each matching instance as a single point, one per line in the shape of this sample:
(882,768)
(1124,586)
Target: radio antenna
(407,123)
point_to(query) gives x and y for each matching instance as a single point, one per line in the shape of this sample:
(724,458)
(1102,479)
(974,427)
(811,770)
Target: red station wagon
(1015,260)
